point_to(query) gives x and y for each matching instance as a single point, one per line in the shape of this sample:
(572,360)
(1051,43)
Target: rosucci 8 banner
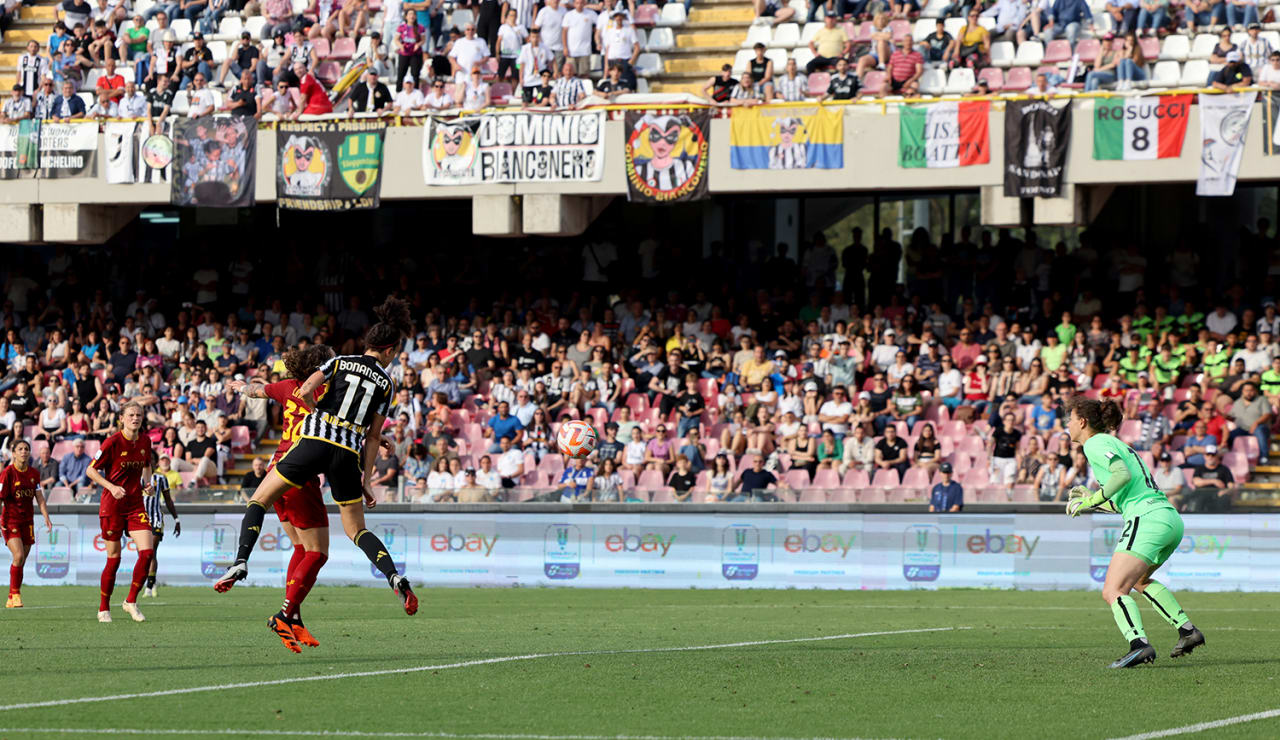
(330,165)
(214,162)
(1036,134)
(667,155)
(514,147)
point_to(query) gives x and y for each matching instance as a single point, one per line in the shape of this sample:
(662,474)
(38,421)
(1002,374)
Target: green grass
(1025,664)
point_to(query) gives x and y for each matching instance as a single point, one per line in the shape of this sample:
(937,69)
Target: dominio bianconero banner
(696,550)
(514,147)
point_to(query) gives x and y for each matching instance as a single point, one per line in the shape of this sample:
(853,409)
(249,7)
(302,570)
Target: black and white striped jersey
(154,504)
(358,389)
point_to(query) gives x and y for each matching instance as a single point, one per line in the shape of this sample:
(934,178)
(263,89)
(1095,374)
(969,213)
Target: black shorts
(309,457)
(157,535)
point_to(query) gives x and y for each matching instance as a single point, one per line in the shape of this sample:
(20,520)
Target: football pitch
(541,663)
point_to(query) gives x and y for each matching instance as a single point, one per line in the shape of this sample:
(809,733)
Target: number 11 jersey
(358,390)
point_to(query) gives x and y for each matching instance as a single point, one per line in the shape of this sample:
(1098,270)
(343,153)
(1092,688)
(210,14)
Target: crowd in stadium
(700,392)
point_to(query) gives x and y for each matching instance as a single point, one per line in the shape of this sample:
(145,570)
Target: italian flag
(948,134)
(1150,127)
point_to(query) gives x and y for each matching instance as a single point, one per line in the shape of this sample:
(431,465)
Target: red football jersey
(18,494)
(286,394)
(121,462)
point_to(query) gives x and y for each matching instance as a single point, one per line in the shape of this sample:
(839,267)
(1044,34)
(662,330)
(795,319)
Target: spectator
(471,492)
(607,484)
(16,108)
(438,98)
(619,45)
(972,48)
(891,452)
(936,48)
(947,495)
(1232,77)
(1003,448)
(510,463)
(69,106)
(906,65)
(1169,479)
(1269,75)
(440,484)
(613,85)
(569,90)
(682,479)
(829,44)
(753,483)
(1067,18)
(1252,415)
(386,473)
(47,468)
(779,11)
(577,29)
(315,99)
(575,482)
(251,480)
(719,89)
(1213,485)
(549,21)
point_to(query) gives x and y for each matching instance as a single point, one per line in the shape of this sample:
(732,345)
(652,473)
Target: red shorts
(24,530)
(303,507)
(115,525)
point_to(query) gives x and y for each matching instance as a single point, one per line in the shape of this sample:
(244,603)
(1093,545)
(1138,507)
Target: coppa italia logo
(739,552)
(53,552)
(562,551)
(450,541)
(396,539)
(995,544)
(651,543)
(921,553)
(806,542)
(217,549)
(1102,542)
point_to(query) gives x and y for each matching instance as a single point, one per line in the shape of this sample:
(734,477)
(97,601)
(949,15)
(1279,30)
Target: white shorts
(1004,470)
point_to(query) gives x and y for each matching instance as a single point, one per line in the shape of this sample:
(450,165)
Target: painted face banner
(330,165)
(1224,122)
(786,138)
(214,162)
(514,147)
(667,155)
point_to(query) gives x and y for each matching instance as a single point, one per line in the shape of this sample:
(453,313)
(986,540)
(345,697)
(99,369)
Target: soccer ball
(576,439)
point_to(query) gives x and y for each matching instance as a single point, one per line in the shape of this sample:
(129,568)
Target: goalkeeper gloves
(1082,499)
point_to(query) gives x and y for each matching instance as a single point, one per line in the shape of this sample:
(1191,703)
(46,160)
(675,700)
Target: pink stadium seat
(860,35)
(1088,50)
(873,83)
(59,495)
(872,496)
(647,15)
(915,478)
(321,45)
(818,82)
(1100,380)
(328,72)
(953,429)
(1130,430)
(842,496)
(1247,446)
(826,478)
(797,479)
(343,49)
(976,477)
(1238,464)
(1025,495)
(1057,51)
(812,496)
(637,403)
(241,439)
(900,29)
(1018,79)
(551,465)
(971,446)
(856,479)
(1150,46)
(885,478)
(664,495)
(649,480)
(628,479)
(994,77)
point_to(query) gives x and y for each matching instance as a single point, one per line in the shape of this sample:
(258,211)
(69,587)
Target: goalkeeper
(1152,528)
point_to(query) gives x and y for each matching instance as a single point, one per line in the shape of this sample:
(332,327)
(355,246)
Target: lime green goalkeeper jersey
(1100,451)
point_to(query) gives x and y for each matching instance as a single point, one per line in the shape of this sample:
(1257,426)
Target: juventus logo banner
(1036,133)
(667,155)
(330,165)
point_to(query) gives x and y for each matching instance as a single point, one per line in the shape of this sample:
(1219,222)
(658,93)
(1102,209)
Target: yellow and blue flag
(786,138)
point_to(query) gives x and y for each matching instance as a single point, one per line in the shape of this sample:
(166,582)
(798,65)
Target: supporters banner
(765,138)
(1270,132)
(68,150)
(951,134)
(1140,128)
(514,147)
(1224,122)
(667,155)
(726,549)
(1036,134)
(330,165)
(133,154)
(214,162)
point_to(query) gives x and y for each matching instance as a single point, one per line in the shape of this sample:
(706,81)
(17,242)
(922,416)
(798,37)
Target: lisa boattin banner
(19,149)
(214,162)
(330,165)
(1224,121)
(667,155)
(949,134)
(134,155)
(786,139)
(514,147)
(1036,134)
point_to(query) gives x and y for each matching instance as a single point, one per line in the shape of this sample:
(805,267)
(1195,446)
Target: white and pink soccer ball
(576,439)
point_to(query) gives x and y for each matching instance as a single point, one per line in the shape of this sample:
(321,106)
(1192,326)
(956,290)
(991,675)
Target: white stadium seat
(810,30)
(786,36)
(648,64)
(1030,54)
(741,60)
(803,55)
(1002,53)
(661,39)
(181,29)
(922,28)
(960,81)
(1166,74)
(256,25)
(672,15)
(230,27)
(1175,48)
(779,59)
(932,82)
(1203,45)
(1194,73)
(758,35)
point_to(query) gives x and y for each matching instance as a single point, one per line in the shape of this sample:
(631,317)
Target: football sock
(151,580)
(1162,599)
(1125,611)
(140,571)
(108,583)
(250,528)
(300,585)
(295,559)
(15,579)
(151,573)
(375,551)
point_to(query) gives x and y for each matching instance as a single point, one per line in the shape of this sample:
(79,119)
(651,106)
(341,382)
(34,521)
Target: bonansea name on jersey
(359,390)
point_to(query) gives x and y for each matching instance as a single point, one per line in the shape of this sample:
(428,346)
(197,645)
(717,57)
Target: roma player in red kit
(19,486)
(120,467)
(301,509)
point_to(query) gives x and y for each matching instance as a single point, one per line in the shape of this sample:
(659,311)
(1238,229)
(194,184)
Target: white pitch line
(1202,726)
(81,606)
(459,664)
(357,733)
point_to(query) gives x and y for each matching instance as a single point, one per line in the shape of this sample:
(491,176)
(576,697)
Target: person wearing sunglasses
(438,98)
(408,99)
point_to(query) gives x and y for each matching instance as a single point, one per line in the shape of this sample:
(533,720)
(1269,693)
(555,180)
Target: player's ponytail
(393,324)
(1101,416)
